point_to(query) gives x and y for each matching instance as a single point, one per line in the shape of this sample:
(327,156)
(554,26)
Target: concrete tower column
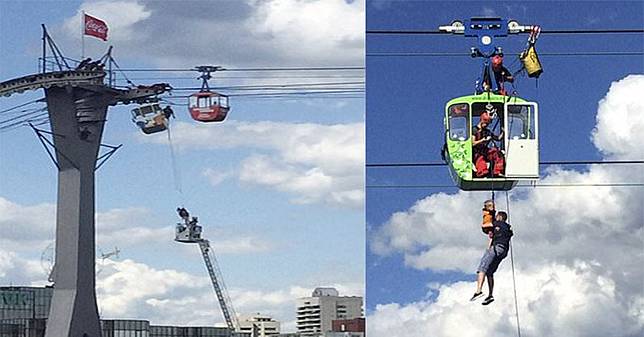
(77,118)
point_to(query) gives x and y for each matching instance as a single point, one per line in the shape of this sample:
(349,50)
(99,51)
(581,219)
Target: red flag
(95,27)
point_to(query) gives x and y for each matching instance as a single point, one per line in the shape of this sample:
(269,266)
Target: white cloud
(120,16)
(314,162)
(620,117)
(251,32)
(216,177)
(333,28)
(114,228)
(123,287)
(16,269)
(34,224)
(554,300)
(135,290)
(557,231)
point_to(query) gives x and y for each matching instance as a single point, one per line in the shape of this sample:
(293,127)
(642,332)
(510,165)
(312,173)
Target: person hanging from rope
(485,150)
(501,74)
(498,250)
(489,213)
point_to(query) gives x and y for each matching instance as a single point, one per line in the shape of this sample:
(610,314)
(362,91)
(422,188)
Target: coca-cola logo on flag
(95,27)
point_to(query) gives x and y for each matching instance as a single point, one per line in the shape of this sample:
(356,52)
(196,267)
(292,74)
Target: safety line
(175,168)
(441,54)
(248,69)
(518,186)
(552,162)
(514,283)
(553,31)
(24,104)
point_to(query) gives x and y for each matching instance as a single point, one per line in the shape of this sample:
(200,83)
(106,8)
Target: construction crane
(189,231)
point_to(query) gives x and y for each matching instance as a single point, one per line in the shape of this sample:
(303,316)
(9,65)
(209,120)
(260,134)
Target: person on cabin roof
(501,73)
(483,153)
(494,254)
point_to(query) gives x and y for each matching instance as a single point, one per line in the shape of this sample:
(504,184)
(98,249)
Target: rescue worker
(168,112)
(501,73)
(183,213)
(483,153)
(498,250)
(83,64)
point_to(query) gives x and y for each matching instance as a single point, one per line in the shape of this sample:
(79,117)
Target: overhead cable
(551,162)
(543,31)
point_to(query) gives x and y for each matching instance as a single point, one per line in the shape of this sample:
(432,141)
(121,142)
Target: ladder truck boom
(189,231)
(218,284)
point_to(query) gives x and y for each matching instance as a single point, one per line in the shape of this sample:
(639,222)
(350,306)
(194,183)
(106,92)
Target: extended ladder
(218,284)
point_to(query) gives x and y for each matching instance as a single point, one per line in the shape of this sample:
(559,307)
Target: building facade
(260,326)
(350,325)
(24,312)
(316,314)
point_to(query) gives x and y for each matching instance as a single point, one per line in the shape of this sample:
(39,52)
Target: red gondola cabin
(208,106)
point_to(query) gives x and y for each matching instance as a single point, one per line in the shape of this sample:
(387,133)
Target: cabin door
(521,140)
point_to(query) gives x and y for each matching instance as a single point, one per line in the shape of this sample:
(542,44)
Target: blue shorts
(491,259)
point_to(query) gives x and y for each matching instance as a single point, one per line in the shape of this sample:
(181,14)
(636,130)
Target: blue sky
(405,104)
(278,186)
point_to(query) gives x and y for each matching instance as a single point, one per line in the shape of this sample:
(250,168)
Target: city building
(351,325)
(343,334)
(347,328)
(260,325)
(24,312)
(316,314)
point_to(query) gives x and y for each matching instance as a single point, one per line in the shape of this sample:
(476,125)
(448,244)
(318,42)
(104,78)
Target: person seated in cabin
(159,119)
(484,149)
(494,254)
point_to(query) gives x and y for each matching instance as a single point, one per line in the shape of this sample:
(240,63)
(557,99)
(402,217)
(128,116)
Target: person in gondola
(494,254)
(485,150)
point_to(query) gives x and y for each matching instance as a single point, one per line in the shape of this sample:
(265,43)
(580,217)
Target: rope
(514,283)
(175,168)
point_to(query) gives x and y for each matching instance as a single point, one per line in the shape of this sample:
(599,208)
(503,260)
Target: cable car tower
(513,121)
(189,231)
(77,103)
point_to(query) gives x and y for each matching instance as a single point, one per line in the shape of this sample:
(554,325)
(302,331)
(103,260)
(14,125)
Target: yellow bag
(531,62)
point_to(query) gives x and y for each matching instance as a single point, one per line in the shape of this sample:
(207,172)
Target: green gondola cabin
(519,146)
